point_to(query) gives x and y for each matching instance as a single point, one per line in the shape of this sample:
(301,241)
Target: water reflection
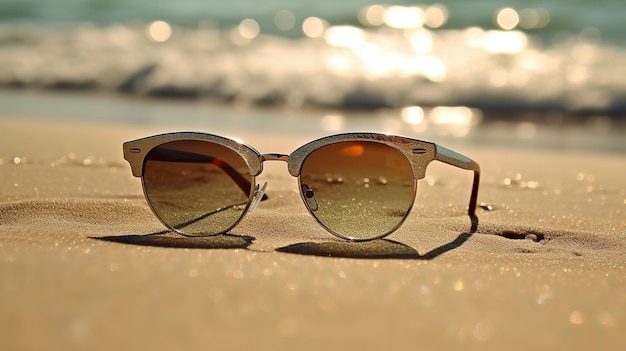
(444,120)
(332,123)
(454,121)
(345,37)
(510,42)
(404,17)
(400,17)
(412,115)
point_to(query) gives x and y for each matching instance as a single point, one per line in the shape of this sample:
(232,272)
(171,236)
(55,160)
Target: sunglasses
(358,186)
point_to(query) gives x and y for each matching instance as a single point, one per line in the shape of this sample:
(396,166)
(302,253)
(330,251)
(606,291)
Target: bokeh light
(436,16)
(402,17)
(534,18)
(507,18)
(412,115)
(372,15)
(345,37)
(332,123)
(508,42)
(421,41)
(395,56)
(249,28)
(313,27)
(159,31)
(455,120)
(430,67)
(455,115)
(284,20)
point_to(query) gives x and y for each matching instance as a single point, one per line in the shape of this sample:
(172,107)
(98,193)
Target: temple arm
(165,154)
(453,158)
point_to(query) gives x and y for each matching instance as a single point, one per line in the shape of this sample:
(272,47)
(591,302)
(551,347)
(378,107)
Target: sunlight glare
(430,67)
(344,37)
(412,115)
(456,120)
(421,41)
(509,42)
(332,123)
(402,17)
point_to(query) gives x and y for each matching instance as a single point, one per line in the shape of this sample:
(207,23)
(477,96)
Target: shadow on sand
(165,239)
(375,249)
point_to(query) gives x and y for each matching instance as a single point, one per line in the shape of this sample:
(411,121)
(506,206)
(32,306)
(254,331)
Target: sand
(81,267)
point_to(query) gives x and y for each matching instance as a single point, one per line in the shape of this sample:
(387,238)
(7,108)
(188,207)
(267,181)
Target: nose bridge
(274,157)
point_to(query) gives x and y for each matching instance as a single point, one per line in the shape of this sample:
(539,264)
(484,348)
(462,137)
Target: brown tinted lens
(197,187)
(359,190)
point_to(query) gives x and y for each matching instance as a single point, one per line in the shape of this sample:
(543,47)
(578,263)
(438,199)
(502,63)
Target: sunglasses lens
(358,190)
(197,187)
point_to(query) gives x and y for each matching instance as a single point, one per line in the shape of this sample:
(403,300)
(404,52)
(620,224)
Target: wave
(332,66)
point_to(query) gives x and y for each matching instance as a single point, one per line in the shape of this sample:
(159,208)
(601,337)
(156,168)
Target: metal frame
(419,153)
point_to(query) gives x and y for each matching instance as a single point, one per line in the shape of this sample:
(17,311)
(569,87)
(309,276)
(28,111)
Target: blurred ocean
(562,56)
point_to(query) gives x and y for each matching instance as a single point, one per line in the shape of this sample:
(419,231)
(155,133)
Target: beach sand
(544,269)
